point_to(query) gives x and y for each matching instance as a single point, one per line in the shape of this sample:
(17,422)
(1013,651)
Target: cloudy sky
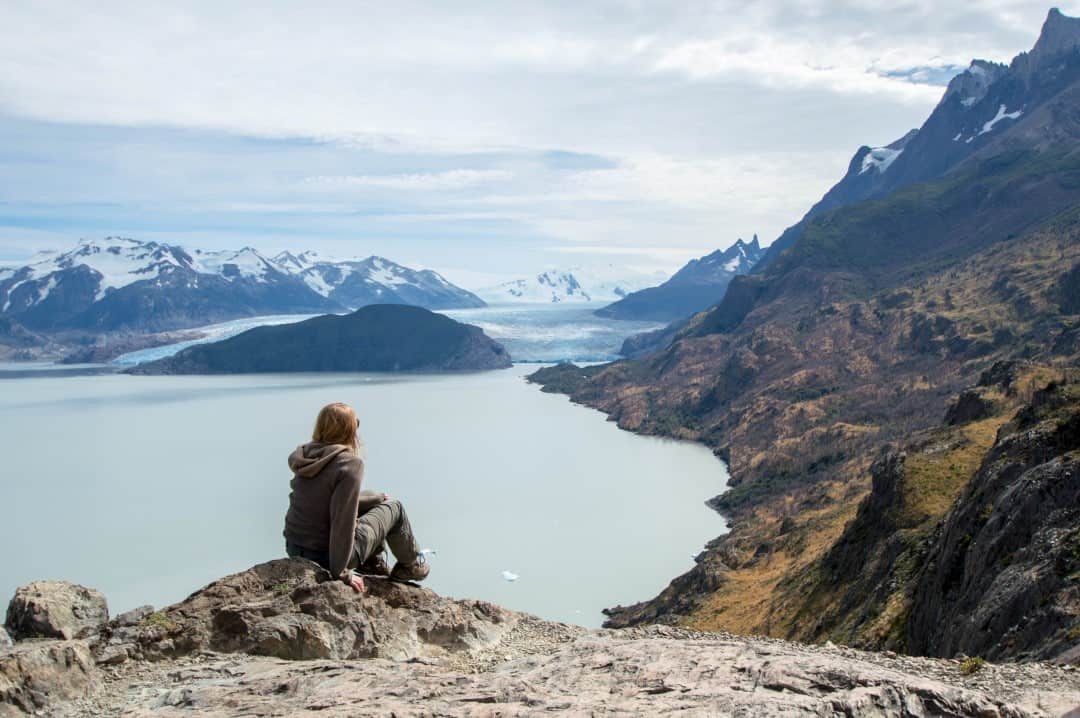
(484,139)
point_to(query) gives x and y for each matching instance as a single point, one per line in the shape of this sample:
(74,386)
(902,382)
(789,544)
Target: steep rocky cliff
(1002,576)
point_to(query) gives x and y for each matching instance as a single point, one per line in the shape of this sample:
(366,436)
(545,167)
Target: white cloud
(423,129)
(833,69)
(471,75)
(448,180)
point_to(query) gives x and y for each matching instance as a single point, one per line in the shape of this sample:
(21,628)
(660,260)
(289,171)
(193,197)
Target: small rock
(56,609)
(890,654)
(113,655)
(134,616)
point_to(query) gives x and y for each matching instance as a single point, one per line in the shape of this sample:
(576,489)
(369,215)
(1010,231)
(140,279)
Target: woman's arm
(343,507)
(369,500)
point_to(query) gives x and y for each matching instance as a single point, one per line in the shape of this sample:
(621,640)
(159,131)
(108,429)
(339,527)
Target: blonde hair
(337,424)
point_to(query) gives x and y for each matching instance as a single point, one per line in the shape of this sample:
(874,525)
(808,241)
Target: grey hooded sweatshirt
(325,500)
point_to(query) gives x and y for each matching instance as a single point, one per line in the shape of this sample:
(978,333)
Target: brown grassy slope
(825,368)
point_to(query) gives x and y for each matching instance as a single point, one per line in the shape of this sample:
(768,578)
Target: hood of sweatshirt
(311,458)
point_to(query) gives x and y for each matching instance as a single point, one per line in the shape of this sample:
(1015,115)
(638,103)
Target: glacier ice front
(531,333)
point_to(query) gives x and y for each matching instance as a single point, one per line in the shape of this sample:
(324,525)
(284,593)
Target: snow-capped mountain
(577,284)
(979,107)
(125,284)
(296,262)
(546,287)
(377,280)
(698,285)
(721,265)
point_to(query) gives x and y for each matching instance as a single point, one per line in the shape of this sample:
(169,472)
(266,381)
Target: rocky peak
(754,245)
(971,85)
(723,263)
(1060,34)
(1059,37)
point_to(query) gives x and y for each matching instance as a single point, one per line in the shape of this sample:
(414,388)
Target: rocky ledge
(283,639)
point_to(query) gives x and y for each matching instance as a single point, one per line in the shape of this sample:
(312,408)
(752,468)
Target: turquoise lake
(150,487)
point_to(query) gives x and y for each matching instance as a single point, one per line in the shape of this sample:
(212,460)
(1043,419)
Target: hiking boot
(375,565)
(415,571)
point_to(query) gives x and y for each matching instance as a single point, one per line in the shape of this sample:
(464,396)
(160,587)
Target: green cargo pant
(386,522)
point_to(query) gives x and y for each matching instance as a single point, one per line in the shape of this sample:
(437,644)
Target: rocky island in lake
(379,337)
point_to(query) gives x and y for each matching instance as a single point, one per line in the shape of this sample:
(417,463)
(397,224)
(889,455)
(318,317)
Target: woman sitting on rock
(332,522)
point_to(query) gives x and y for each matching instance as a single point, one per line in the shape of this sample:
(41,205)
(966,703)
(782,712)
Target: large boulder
(35,676)
(56,609)
(292,609)
(969,406)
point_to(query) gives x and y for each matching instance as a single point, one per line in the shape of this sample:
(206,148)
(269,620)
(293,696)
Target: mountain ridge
(857,335)
(699,284)
(128,285)
(976,106)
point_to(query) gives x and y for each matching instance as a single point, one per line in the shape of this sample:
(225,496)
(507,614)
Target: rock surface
(283,639)
(56,609)
(45,675)
(655,671)
(969,406)
(1003,575)
(290,608)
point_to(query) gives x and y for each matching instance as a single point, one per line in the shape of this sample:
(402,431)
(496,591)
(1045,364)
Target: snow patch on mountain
(385,272)
(546,287)
(246,263)
(315,280)
(1001,115)
(296,262)
(577,284)
(879,158)
(971,85)
(721,265)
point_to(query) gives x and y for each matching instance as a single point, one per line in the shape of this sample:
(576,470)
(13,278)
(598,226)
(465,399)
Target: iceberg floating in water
(510,576)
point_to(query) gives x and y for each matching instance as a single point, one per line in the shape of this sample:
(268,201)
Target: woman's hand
(357,583)
(385,498)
